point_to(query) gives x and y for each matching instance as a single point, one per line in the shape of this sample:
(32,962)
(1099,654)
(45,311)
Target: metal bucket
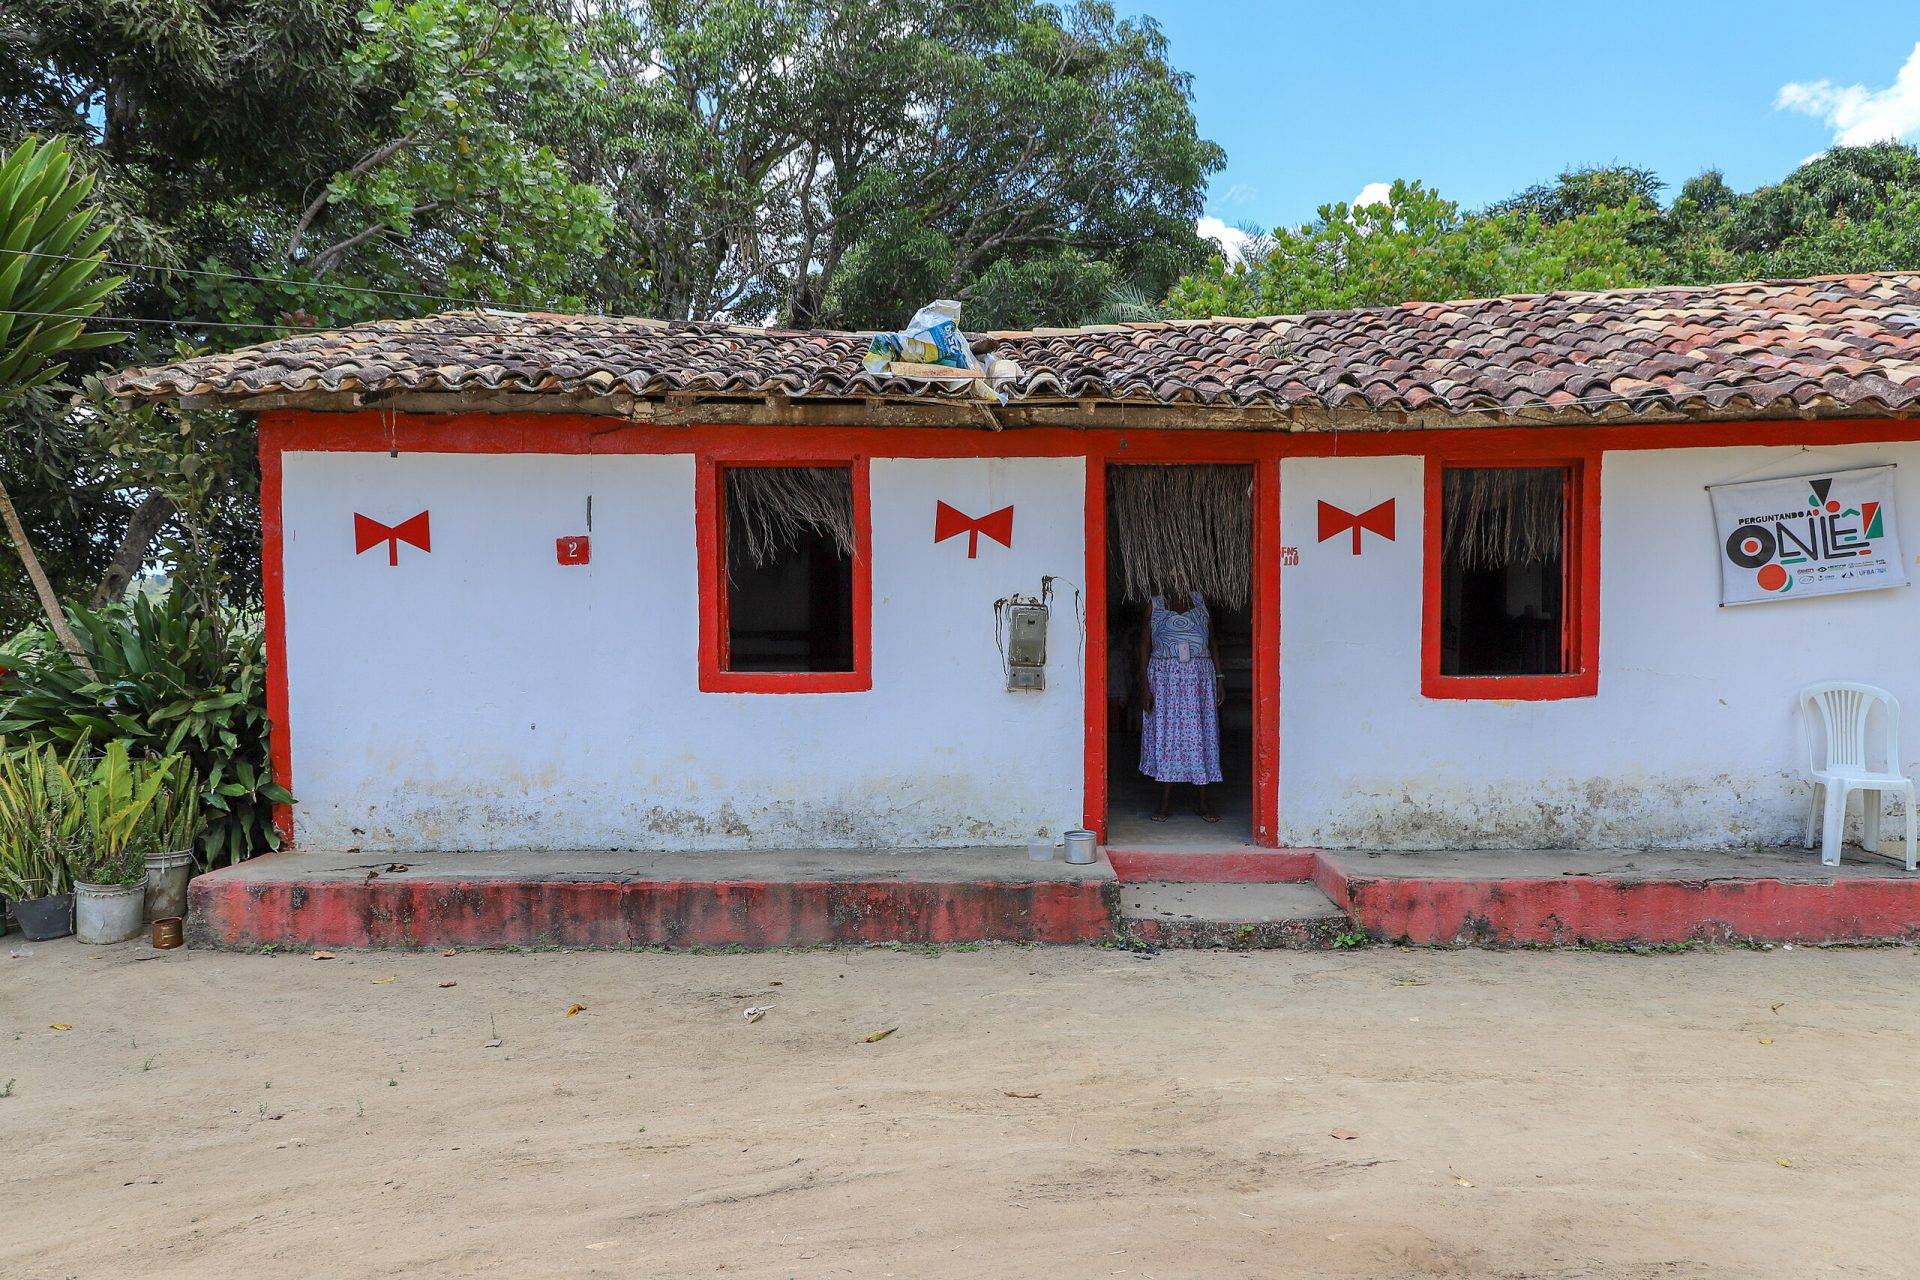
(167,883)
(1082,848)
(108,912)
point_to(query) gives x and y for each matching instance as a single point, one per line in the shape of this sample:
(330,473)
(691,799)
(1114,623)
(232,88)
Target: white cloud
(1239,193)
(1233,241)
(1372,193)
(1857,114)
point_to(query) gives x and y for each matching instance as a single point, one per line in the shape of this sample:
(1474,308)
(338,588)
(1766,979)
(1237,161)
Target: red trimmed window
(1512,579)
(785,577)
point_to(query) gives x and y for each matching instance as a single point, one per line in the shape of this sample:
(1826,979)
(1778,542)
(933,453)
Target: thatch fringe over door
(1181,529)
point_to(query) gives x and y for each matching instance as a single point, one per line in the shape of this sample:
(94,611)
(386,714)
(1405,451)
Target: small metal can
(1081,848)
(168,932)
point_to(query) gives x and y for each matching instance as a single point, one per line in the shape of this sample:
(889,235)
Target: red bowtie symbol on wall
(949,521)
(369,533)
(1334,521)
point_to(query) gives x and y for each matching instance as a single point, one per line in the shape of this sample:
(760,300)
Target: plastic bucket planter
(43,919)
(108,912)
(167,883)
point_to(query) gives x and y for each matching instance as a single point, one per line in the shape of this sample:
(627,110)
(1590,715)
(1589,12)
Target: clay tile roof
(1839,346)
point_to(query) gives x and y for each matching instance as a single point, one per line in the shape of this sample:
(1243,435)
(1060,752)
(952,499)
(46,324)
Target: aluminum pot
(108,912)
(1082,848)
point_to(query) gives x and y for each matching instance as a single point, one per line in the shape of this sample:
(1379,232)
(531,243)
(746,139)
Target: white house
(1486,599)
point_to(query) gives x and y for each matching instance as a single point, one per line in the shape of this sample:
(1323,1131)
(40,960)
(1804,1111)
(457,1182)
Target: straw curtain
(1181,530)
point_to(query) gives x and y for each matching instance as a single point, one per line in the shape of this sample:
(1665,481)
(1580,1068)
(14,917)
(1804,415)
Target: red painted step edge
(1223,866)
(246,913)
(234,911)
(1597,909)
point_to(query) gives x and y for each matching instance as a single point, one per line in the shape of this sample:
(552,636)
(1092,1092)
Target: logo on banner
(1809,535)
(950,522)
(369,533)
(1375,519)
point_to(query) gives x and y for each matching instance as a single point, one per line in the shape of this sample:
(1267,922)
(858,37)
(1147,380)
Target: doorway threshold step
(1237,917)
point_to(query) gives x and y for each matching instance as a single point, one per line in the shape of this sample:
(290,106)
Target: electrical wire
(156,268)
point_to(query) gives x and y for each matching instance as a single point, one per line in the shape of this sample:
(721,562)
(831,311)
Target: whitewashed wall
(1693,738)
(483,696)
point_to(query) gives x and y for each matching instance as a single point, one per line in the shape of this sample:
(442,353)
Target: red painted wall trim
(1266,652)
(368,430)
(1094,790)
(1581,593)
(710,538)
(274,427)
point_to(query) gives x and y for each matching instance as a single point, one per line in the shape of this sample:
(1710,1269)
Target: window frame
(1580,585)
(709,509)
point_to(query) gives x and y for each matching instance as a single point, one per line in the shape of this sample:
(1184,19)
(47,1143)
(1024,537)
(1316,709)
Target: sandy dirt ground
(1037,1112)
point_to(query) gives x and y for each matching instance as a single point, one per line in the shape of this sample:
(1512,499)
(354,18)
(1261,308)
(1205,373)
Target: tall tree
(1416,246)
(843,161)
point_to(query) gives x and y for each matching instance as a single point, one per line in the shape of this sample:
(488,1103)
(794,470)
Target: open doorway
(1181,534)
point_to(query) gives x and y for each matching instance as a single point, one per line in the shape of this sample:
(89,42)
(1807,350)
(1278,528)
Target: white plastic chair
(1844,709)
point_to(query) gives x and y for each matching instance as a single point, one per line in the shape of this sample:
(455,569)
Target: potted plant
(110,874)
(167,835)
(40,835)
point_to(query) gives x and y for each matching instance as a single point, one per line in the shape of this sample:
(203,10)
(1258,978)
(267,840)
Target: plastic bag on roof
(932,337)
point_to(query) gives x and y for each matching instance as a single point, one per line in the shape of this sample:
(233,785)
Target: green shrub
(42,831)
(130,809)
(173,679)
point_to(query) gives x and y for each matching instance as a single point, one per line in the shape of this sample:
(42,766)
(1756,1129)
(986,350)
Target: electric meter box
(1027,647)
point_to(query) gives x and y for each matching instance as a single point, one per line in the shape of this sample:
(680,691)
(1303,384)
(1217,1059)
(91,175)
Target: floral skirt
(1180,737)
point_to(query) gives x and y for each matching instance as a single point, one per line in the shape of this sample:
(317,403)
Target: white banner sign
(1815,535)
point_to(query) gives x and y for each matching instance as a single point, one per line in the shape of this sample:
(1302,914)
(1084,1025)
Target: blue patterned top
(1171,629)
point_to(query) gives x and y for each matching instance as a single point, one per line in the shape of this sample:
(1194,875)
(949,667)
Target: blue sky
(1313,101)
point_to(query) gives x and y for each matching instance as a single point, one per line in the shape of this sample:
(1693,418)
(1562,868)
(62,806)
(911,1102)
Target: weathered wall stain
(1714,811)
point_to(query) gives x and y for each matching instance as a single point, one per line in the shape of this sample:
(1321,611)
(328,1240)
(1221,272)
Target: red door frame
(285,431)
(1266,632)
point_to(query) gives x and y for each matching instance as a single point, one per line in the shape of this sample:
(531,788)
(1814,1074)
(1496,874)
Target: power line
(128,265)
(562,329)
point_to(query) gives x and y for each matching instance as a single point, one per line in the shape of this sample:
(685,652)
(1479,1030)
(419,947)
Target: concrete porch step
(604,898)
(1240,917)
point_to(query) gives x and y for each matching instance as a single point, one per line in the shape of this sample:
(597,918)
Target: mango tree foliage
(1417,246)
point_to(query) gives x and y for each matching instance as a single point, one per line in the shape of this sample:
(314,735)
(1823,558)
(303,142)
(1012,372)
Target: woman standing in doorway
(1181,693)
